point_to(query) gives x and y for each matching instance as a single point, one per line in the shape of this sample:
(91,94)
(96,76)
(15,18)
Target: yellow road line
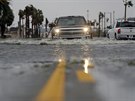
(84,77)
(54,89)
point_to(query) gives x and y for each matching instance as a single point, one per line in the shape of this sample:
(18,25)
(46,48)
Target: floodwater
(25,65)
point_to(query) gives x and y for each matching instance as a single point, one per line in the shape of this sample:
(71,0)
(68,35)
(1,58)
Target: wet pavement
(114,71)
(26,68)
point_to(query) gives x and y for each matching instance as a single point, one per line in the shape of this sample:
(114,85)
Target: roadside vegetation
(36,16)
(31,19)
(6,16)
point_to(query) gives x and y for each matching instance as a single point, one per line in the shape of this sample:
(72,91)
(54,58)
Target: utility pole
(110,14)
(87,15)
(129,4)
(110,18)
(113,18)
(99,25)
(104,24)
(125,16)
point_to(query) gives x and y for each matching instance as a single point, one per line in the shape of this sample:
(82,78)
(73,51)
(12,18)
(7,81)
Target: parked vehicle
(123,30)
(71,27)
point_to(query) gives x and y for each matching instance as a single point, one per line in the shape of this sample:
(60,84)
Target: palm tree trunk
(99,26)
(32,29)
(23,28)
(27,26)
(20,27)
(125,15)
(3,31)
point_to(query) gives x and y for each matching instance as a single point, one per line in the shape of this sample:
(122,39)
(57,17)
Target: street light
(111,19)
(110,13)
(87,15)
(129,4)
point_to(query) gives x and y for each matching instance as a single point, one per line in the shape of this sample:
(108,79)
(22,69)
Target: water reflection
(59,53)
(86,63)
(86,51)
(87,58)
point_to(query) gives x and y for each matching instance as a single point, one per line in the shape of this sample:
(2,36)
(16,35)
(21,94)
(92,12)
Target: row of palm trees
(6,16)
(31,27)
(30,13)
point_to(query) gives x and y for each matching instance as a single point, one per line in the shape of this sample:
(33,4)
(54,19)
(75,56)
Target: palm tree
(27,12)
(33,13)
(21,17)
(6,16)
(37,19)
(129,4)
(40,19)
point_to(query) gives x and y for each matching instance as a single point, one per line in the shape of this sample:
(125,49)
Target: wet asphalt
(25,69)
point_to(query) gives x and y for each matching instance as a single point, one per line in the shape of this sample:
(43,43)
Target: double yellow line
(84,77)
(54,89)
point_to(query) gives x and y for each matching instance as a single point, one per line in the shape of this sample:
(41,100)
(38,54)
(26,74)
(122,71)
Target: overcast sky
(55,8)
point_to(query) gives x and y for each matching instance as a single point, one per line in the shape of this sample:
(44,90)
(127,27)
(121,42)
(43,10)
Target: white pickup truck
(122,30)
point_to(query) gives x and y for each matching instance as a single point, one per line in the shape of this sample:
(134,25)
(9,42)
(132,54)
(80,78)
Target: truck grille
(71,30)
(71,33)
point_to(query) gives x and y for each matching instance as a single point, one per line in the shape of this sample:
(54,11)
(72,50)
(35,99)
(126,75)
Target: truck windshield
(71,21)
(125,24)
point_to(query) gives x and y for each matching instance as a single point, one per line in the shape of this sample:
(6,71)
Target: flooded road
(99,70)
(115,65)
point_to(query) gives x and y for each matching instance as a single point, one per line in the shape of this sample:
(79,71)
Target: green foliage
(36,14)
(7,15)
(10,17)
(37,18)
(21,13)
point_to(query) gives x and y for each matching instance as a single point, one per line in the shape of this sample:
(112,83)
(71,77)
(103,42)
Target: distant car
(123,30)
(71,27)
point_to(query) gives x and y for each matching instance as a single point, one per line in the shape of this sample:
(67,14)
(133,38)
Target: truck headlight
(57,31)
(85,29)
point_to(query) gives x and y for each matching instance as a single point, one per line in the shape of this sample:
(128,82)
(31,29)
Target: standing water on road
(26,65)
